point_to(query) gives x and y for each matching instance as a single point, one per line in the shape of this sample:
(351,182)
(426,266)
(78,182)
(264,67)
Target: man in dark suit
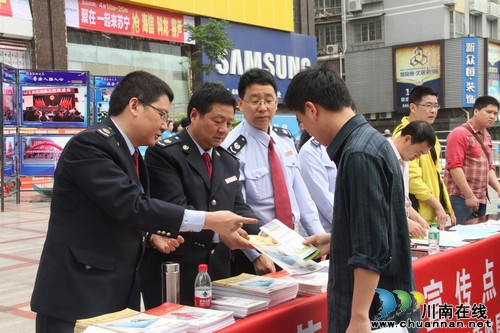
(180,175)
(100,211)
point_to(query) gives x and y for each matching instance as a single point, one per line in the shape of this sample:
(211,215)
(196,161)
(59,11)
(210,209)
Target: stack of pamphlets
(199,320)
(241,307)
(264,288)
(309,284)
(284,246)
(82,324)
(140,323)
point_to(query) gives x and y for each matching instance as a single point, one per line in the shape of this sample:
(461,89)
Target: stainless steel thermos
(170,282)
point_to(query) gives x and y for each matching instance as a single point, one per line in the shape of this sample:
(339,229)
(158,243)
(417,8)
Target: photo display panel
(53,99)
(9,95)
(9,158)
(40,153)
(102,88)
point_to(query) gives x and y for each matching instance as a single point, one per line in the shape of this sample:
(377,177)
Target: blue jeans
(464,213)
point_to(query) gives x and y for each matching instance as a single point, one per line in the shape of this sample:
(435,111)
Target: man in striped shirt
(469,162)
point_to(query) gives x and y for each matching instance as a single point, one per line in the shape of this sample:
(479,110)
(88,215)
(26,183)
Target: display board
(9,156)
(9,95)
(53,99)
(102,88)
(40,153)
(9,153)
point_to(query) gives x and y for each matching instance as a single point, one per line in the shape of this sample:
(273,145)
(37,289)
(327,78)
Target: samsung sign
(284,54)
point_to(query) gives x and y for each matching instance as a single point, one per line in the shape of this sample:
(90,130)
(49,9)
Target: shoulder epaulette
(106,131)
(282,131)
(169,141)
(315,142)
(237,145)
(223,150)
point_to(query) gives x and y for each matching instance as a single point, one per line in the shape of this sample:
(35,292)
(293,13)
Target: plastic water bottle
(433,237)
(203,288)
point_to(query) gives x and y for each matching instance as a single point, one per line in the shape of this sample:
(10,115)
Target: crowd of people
(198,194)
(35,114)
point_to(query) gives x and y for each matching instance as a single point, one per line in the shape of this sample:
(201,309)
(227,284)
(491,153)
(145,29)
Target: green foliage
(212,40)
(235,123)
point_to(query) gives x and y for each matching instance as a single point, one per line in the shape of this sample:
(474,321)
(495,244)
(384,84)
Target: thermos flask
(170,282)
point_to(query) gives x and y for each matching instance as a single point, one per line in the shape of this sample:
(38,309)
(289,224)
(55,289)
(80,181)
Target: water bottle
(203,288)
(433,237)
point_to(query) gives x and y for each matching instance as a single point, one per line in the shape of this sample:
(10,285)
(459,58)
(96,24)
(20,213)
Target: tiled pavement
(22,232)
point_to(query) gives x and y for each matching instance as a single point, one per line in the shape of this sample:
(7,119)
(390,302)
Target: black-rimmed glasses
(163,114)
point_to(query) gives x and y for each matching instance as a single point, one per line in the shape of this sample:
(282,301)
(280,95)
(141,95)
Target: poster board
(53,99)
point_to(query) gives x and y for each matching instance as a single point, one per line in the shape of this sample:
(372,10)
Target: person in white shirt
(416,139)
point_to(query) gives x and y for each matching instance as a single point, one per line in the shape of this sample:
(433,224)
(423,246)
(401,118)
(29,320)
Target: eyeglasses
(430,106)
(163,114)
(257,102)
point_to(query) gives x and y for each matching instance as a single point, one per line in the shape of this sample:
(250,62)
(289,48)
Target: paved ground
(22,232)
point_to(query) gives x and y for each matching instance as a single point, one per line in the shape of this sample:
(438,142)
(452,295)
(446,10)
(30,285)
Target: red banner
(5,8)
(123,19)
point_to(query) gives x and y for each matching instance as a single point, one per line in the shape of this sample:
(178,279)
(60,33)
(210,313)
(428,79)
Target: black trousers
(46,324)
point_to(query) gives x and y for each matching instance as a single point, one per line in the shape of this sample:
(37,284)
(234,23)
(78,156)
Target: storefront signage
(494,70)
(123,19)
(470,71)
(281,53)
(416,65)
(15,8)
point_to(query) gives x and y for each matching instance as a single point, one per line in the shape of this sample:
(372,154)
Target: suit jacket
(95,234)
(178,175)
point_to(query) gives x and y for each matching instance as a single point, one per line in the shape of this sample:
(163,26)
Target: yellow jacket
(425,176)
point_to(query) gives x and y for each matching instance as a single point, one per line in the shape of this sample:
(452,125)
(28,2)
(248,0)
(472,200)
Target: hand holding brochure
(291,240)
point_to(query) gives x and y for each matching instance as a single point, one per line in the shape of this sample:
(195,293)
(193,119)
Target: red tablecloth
(453,280)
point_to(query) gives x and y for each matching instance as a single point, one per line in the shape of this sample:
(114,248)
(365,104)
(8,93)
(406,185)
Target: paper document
(290,239)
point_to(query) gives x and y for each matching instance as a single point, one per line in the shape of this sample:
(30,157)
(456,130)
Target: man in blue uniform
(253,142)
(190,169)
(319,173)
(101,208)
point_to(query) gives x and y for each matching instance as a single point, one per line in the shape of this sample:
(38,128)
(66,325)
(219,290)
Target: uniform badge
(237,145)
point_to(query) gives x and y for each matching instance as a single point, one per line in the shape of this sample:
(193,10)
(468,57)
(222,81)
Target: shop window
(16,55)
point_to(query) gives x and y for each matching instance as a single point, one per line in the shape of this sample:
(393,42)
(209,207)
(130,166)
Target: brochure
(282,257)
(289,239)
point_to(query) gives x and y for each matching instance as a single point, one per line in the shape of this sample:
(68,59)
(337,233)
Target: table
(452,280)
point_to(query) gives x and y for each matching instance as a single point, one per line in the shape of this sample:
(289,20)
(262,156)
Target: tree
(212,40)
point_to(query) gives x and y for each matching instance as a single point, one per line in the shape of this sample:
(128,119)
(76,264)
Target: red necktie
(282,204)
(208,164)
(135,157)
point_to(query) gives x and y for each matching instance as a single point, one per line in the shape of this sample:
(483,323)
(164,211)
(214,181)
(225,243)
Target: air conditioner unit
(450,2)
(477,7)
(354,6)
(370,116)
(385,115)
(493,11)
(332,49)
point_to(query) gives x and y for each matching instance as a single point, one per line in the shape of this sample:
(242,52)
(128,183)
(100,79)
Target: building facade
(385,47)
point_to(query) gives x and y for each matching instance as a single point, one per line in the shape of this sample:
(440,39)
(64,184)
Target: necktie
(208,164)
(282,205)
(135,157)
